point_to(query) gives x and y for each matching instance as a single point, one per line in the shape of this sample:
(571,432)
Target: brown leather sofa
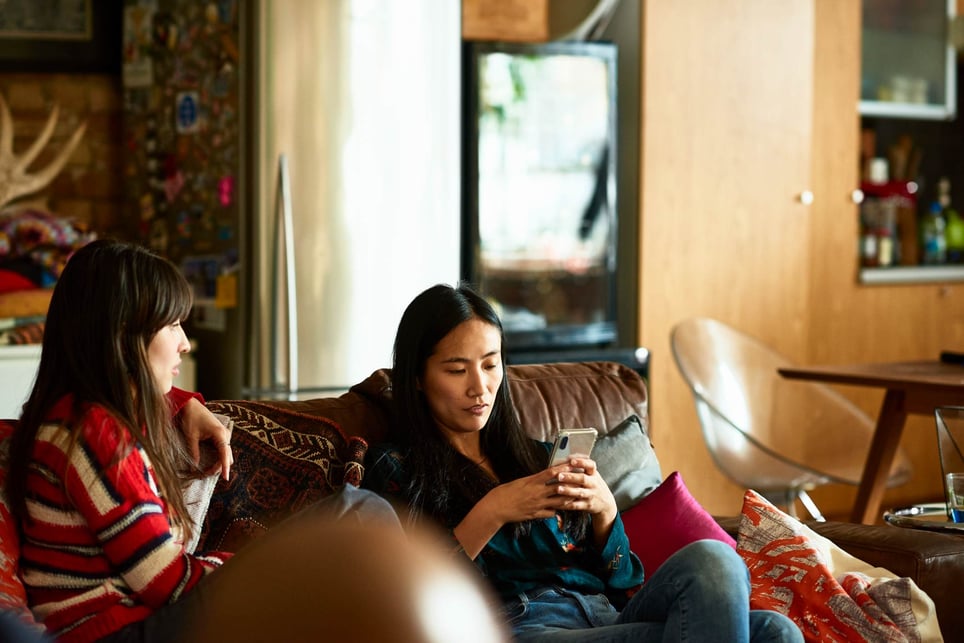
(603,394)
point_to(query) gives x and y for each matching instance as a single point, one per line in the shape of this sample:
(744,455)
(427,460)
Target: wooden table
(912,387)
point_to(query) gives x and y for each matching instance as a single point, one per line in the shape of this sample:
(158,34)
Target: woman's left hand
(587,491)
(199,424)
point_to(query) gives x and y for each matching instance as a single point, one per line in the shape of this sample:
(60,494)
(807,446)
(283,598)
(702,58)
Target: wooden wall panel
(506,20)
(725,135)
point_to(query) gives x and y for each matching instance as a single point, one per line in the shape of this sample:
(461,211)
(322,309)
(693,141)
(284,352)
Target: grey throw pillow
(627,462)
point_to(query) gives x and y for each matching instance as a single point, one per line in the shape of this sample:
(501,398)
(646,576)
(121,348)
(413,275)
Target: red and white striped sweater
(103,554)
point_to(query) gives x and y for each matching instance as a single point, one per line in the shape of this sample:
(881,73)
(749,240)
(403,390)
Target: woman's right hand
(529,498)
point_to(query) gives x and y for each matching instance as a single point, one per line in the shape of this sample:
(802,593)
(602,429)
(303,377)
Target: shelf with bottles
(900,247)
(908,62)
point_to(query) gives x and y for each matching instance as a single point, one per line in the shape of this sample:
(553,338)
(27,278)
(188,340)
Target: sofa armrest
(933,560)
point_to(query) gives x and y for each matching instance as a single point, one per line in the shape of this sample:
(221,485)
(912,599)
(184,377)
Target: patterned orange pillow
(830,595)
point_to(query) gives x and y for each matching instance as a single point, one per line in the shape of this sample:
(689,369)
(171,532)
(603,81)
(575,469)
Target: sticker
(183,224)
(173,185)
(226,11)
(226,291)
(229,47)
(187,112)
(226,190)
(202,272)
(165,31)
(158,238)
(147,207)
(172,34)
(137,68)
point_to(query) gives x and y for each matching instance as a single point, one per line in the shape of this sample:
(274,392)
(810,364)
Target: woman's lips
(478,409)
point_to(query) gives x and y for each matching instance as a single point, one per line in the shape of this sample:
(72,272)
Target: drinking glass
(954,488)
(950,443)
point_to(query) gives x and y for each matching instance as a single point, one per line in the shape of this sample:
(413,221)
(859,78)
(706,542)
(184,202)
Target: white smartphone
(572,442)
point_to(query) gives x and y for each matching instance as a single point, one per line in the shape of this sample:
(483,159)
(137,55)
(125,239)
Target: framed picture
(60,36)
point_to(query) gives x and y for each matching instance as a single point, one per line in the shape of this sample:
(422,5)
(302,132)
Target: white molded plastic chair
(777,436)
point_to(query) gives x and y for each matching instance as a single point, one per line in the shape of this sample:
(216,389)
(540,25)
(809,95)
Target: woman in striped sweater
(98,460)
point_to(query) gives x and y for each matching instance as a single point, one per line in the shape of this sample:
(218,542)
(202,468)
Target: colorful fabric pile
(34,248)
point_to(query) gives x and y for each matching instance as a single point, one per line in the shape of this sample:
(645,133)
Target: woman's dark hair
(443,483)
(108,304)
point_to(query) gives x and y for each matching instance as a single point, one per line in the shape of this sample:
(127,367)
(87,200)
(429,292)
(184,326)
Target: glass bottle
(869,215)
(933,241)
(954,235)
(953,224)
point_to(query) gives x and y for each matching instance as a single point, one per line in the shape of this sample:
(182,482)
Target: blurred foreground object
(324,580)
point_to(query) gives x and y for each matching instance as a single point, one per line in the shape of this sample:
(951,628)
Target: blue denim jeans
(701,593)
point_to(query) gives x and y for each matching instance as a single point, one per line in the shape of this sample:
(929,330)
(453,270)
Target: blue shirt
(545,556)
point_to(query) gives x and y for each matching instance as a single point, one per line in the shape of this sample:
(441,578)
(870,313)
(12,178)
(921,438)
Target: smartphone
(572,442)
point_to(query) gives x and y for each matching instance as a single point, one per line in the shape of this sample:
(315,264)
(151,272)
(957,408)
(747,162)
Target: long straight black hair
(443,483)
(108,304)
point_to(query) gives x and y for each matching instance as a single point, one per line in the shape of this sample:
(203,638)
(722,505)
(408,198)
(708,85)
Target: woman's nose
(184,346)
(476,385)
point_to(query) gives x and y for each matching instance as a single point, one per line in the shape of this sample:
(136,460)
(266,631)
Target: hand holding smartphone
(572,442)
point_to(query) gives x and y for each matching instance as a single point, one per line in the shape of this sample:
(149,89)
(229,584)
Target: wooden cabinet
(746,106)
(726,145)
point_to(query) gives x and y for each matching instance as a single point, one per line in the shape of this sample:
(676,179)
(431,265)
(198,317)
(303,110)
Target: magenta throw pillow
(667,519)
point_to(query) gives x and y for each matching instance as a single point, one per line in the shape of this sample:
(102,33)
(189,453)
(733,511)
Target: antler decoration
(15,182)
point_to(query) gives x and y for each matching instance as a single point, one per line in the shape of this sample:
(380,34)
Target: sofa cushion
(198,491)
(828,593)
(283,461)
(666,520)
(548,397)
(627,462)
(934,560)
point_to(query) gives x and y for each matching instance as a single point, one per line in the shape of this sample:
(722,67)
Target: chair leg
(785,498)
(790,502)
(810,505)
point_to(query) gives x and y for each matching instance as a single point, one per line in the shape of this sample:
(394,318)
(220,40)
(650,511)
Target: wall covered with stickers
(180,86)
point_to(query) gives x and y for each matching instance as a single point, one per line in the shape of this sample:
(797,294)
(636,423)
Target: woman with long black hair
(549,539)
